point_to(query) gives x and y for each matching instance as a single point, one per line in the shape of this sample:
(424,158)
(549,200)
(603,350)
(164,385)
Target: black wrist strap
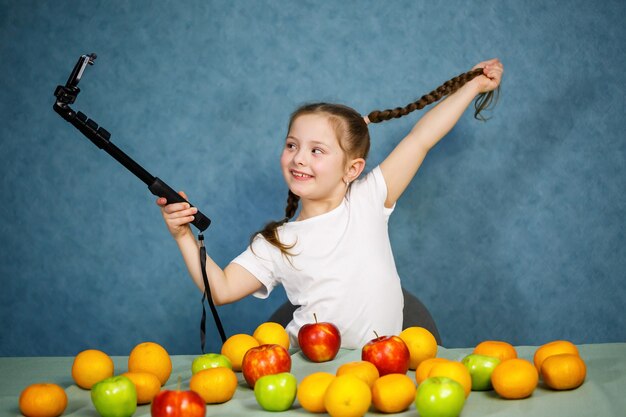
(207,295)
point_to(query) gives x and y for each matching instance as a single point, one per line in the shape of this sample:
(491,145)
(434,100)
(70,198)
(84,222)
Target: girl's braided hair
(353,135)
(481,103)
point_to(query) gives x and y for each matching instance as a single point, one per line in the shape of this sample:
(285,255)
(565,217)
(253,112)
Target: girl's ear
(354,169)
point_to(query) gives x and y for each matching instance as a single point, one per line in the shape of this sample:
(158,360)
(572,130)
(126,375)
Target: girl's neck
(314,208)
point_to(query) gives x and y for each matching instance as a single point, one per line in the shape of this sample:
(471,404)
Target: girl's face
(312,162)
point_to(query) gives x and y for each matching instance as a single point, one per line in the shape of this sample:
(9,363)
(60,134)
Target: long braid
(292,205)
(482,101)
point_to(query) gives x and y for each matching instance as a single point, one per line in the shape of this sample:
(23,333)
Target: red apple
(264,360)
(389,354)
(319,342)
(178,404)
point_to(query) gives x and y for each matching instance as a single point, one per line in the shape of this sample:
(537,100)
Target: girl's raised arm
(402,163)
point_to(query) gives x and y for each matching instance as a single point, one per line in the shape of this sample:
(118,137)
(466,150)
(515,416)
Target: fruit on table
(361,369)
(91,366)
(215,385)
(563,371)
(393,393)
(114,397)
(421,343)
(270,333)
(210,360)
(389,354)
(422,371)
(515,379)
(170,403)
(151,357)
(236,346)
(499,349)
(347,395)
(43,400)
(276,392)
(264,360)
(312,390)
(319,341)
(553,348)
(456,371)
(480,368)
(147,385)
(439,397)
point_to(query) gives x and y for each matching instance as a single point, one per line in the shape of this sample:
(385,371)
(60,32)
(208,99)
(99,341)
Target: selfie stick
(66,95)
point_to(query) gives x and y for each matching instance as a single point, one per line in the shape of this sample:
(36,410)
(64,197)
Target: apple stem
(376,334)
(180,380)
(315,317)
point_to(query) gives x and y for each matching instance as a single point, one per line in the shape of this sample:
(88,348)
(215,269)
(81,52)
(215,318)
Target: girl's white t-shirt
(343,269)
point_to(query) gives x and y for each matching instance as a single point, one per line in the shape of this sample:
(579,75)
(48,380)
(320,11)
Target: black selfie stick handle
(161,189)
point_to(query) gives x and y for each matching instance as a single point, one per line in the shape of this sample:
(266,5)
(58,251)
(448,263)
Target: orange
(496,348)
(214,385)
(514,379)
(347,396)
(271,333)
(147,385)
(421,343)
(151,357)
(453,370)
(422,371)
(563,371)
(43,400)
(312,389)
(553,348)
(236,346)
(393,393)
(91,366)
(365,370)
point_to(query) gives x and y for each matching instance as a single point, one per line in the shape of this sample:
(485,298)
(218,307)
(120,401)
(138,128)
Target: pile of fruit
(378,381)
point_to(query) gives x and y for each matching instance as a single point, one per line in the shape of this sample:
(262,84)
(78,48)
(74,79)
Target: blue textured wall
(513,229)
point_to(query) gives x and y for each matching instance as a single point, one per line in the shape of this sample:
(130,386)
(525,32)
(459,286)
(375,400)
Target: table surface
(602,394)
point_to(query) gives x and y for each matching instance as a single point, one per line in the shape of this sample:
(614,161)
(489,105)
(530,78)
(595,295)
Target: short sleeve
(373,188)
(257,259)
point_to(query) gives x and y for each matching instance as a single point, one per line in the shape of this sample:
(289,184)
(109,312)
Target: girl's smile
(300,176)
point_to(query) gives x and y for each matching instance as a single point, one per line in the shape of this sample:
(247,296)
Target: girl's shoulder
(371,186)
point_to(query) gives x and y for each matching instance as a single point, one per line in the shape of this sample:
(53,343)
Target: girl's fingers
(162,201)
(176,214)
(176,207)
(181,221)
(493,71)
(486,63)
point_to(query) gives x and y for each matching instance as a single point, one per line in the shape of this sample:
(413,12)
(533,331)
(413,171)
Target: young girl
(335,258)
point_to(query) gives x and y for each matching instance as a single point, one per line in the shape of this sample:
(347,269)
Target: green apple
(439,396)
(114,397)
(210,360)
(276,392)
(480,368)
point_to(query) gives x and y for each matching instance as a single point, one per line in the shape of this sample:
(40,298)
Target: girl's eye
(290,146)
(317,151)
